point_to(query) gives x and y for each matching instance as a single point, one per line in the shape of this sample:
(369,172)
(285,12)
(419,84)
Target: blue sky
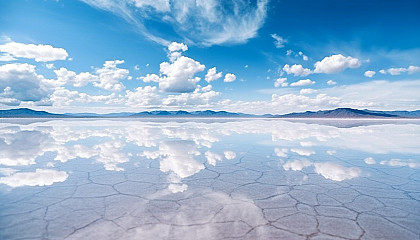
(254,56)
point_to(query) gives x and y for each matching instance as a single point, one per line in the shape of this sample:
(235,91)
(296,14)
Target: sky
(251,56)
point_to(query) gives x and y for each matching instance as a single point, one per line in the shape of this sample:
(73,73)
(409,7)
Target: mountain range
(336,113)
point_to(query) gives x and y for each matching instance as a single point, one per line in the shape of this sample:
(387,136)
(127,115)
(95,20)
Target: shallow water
(209,179)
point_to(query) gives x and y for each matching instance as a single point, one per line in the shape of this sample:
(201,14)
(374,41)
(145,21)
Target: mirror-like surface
(209,179)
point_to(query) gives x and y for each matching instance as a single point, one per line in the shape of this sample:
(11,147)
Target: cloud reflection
(178,145)
(41,177)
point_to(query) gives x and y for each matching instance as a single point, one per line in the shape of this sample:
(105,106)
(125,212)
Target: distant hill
(352,113)
(27,113)
(336,113)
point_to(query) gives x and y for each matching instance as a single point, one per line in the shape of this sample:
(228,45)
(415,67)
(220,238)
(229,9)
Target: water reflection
(245,179)
(176,145)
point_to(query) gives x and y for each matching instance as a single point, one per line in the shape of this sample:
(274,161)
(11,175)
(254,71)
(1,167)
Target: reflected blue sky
(182,149)
(281,171)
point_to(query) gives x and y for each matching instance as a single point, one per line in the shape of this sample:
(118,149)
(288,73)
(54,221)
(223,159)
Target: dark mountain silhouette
(336,113)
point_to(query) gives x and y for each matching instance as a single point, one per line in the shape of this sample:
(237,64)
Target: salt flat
(209,179)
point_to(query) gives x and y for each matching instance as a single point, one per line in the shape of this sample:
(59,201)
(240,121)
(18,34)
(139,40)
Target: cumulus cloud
(65,76)
(281,82)
(202,22)
(176,47)
(20,82)
(336,63)
(398,71)
(212,75)
(41,177)
(303,82)
(369,74)
(143,97)
(40,52)
(178,76)
(110,76)
(279,41)
(229,77)
(296,70)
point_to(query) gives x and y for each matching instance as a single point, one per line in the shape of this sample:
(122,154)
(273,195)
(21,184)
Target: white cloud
(150,78)
(296,70)
(40,52)
(369,74)
(110,76)
(229,77)
(5,57)
(41,177)
(289,52)
(279,41)
(307,91)
(331,82)
(65,76)
(212,75)
(178,76)
(143,97)
(336,172)
(229,155)
(20,82)
(175,47)
(202,22)
(336,63)
(303,82)
(281,82)
(398,71)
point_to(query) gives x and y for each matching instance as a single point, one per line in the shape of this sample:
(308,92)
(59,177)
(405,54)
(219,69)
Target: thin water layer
(209,179)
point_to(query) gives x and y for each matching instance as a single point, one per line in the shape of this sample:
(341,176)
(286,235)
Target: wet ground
(209,179)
